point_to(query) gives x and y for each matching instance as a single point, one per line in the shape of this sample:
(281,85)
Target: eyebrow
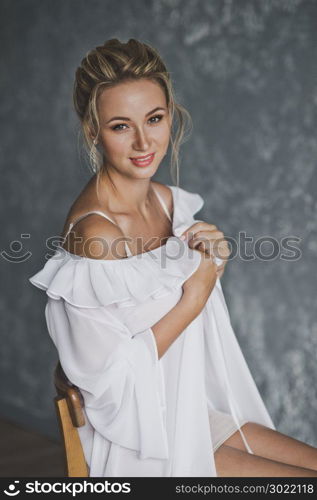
(128,119)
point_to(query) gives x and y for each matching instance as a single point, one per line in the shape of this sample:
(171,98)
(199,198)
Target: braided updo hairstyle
(112,63)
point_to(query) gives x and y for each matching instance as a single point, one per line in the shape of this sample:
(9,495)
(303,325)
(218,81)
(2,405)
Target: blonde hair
(115,62)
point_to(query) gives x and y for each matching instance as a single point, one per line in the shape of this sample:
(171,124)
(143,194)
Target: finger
(213,234)
(205,246)
(202,243)
(198,226)
(218,247)
(214,241)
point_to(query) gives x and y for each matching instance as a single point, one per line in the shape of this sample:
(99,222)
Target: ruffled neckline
(88,282)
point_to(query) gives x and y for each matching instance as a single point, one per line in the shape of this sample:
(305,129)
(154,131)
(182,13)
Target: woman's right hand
(199,286)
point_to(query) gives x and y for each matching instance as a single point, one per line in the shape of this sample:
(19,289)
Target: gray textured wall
(247,72)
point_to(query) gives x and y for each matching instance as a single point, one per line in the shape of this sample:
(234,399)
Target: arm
(196,290)
(168,328)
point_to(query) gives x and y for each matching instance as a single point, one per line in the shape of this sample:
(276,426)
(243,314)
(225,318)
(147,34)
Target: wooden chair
(68,404)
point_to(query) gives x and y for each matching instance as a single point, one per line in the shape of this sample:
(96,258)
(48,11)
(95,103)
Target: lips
(147,157)
(143,161)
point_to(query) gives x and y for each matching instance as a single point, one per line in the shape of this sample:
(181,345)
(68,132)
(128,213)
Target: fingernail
(183,237)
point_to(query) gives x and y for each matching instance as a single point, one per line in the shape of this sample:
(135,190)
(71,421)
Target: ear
(92,135)
(94,138)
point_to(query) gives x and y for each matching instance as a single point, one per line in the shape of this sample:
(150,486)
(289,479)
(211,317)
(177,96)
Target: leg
(274,445)
(232,462)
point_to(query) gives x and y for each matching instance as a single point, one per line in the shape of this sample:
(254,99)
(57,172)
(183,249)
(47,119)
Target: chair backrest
(68,404)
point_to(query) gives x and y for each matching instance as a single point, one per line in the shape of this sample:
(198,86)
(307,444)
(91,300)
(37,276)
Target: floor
(24,453)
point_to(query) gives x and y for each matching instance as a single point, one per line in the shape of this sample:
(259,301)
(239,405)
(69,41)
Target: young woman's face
(134,121)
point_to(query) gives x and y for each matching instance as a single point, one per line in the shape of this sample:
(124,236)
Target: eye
(119,125)
(157,119)
(157,116)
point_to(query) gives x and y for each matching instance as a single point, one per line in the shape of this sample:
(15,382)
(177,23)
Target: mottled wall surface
(246,70)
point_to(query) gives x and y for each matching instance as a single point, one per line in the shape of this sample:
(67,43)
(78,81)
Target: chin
(144,174)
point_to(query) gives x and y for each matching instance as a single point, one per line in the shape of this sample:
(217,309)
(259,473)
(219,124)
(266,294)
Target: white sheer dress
(147,416)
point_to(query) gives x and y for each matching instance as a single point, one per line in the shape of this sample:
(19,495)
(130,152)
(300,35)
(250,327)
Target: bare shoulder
(166,194)
(98,238)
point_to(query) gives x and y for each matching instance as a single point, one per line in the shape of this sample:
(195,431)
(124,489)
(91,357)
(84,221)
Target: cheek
(162,134)
(116,144)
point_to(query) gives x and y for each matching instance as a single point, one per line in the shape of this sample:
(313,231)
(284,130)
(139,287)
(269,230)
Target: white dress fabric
(147,416)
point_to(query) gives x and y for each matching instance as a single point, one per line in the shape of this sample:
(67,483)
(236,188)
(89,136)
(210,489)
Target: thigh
(232,462)
(274,445)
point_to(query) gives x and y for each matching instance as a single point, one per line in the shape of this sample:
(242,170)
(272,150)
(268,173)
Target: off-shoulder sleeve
(118,375)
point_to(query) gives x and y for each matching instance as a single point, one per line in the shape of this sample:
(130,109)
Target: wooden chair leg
(75,460)
(69,408)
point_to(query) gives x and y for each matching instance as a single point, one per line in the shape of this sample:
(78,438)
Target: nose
(141,141)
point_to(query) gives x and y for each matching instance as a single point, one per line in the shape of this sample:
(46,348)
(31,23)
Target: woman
(137,313)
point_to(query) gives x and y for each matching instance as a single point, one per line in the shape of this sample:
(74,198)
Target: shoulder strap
(162,202)
(72,224)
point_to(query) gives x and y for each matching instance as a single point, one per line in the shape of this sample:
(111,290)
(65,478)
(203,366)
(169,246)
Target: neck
(123,194)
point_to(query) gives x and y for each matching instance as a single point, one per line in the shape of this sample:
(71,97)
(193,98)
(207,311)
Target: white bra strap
(72,224)
(129,253)
(163,204)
